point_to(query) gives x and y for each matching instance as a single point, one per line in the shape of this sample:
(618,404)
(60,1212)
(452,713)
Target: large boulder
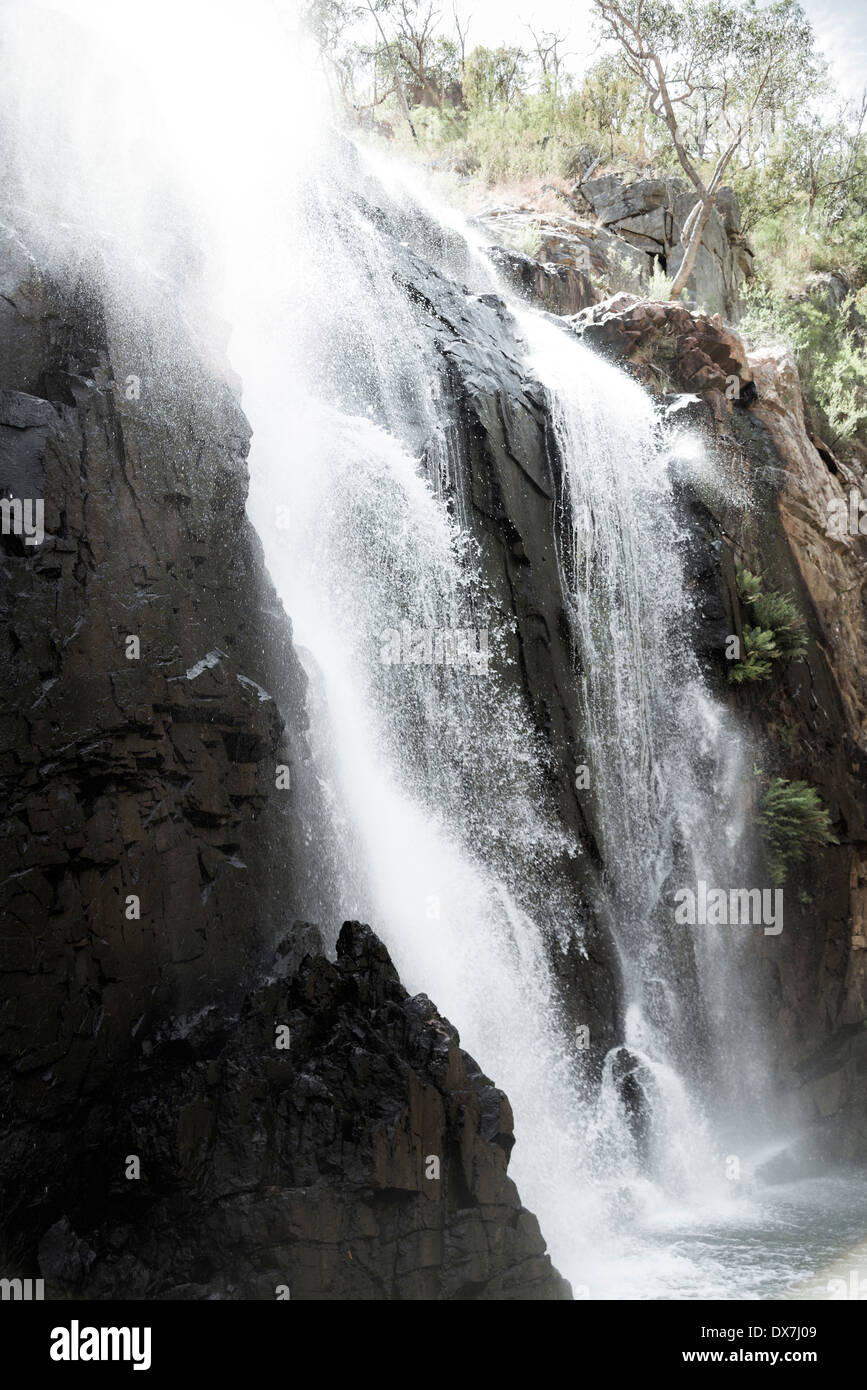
(650,214)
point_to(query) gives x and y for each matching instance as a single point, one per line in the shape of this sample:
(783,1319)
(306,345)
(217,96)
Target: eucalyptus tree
(719,76)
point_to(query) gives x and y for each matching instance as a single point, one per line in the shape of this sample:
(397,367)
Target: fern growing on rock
(760,652)
(749,585)
(793,822)
(779,634)
(777,613)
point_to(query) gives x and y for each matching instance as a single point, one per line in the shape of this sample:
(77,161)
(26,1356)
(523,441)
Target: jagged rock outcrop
(571,249)
(561,289)
(823,983)
(665,345)
(359,1155)
(614,233)
(650,214)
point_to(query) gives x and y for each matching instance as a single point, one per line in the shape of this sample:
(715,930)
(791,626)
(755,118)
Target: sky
(840,26)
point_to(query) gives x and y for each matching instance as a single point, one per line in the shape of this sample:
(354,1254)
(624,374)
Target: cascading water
(662,756)
(435,767)
(444,834)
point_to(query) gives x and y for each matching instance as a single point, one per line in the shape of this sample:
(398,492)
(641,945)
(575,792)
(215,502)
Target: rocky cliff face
(825,710)
(161,834)
(610,233)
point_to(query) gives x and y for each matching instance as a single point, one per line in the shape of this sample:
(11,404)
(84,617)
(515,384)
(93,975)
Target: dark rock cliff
(150,686)
(162,832)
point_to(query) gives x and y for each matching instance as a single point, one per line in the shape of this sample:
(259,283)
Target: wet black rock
(561,289)
(331,1140)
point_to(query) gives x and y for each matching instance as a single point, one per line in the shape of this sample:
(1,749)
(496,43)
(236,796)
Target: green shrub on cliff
(749,585)
(827,341)
(759,653)
(779,634)
(793,821)
(776,613)
(659,284)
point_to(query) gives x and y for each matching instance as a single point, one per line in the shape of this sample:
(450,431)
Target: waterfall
(664,759)
(444,832)
(434,772)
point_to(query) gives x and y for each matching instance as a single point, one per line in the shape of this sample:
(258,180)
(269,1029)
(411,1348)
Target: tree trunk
(701,213)
(401,95)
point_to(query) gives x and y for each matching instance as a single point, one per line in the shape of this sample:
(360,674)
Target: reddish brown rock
(669,346)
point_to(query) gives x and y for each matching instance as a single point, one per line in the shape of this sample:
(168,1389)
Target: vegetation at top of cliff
(825,326)
(779,632)
(700,89)
(793,822)
(717,76)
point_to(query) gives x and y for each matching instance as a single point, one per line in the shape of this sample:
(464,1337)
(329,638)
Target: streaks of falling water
(665,762)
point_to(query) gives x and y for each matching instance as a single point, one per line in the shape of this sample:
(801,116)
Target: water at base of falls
(786,1241)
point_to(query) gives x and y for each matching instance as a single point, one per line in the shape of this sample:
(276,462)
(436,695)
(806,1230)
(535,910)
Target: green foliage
(609,108)
(805,205)
(759,653)
(727,67)
(749,585)
(508,131)
(793,821)
(779,633)
(777,614)
(828,343)
(494,77)
(659,284)
(528,239)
